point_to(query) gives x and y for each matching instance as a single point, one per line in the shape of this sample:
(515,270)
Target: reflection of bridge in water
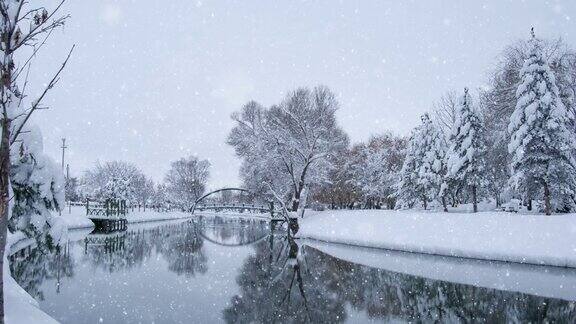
(232,243)
(111,242)
(223,231)
(233,232)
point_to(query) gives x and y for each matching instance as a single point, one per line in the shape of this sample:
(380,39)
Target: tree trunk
(444,204)
(474,199)
(4,202)
(425,202)
(296,201)
(548,208)
(529,204)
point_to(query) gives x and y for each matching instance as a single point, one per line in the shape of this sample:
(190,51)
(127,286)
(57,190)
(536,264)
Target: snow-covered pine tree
(38,188)
(432,168)
(465,156)
(423,168)
(407,190)
(541,145)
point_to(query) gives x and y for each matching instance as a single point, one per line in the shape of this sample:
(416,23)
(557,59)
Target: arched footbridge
(267,211)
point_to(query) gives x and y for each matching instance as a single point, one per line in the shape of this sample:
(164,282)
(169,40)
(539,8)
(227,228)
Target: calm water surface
(212,270)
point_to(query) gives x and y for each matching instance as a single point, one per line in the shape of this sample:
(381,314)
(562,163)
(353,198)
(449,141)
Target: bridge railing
(109,209)
(239,207)
(250,208)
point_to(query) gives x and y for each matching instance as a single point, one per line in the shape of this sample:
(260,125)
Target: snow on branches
(186,181)
(288,146)
(38,188)
(541,145)
(28,178)
(423,169)
(465,156)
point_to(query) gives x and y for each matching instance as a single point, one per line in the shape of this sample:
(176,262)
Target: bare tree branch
(36,103)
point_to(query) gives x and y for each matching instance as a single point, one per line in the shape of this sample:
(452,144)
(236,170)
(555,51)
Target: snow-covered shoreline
(497,236)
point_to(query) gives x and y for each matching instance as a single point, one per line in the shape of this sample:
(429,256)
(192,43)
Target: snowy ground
(533,239)
(20,307)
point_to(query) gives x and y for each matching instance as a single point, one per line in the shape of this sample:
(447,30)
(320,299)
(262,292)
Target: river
(209,270)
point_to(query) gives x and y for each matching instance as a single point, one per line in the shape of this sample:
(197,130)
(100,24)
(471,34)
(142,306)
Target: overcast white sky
(152,81)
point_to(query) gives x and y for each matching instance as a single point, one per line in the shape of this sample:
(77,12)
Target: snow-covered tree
(498,102)
(465,158)
(143,190)
(541,144)
(160,198)
(24,29)
(407,188)
(423,168)
(289,146)
(186,181)
(71,189)
(112,180)
(340,190)
(38,188)
(117,188)
(432,168)
(375,167)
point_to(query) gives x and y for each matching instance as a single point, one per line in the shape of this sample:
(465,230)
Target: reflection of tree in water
(183,249)
(270,293)
(31,267)
(277,286)
(180,244)
(118,251)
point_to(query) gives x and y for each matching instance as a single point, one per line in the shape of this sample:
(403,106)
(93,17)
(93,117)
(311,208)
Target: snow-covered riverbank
(533,239)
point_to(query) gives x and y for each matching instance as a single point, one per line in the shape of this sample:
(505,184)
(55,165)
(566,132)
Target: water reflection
(326,285)
(32,266)
(178,272)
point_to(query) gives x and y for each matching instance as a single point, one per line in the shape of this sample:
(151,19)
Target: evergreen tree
(407,189)
(465,157)
(432,168)
(541,145)
(423,168)
(38,188)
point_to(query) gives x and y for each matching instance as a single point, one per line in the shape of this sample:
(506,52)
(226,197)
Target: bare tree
(21,27)
(444,112)
(186,181)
